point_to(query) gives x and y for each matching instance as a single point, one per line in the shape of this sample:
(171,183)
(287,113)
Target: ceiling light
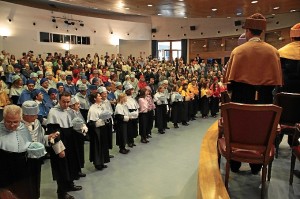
(239,13)
(159,14)
(185,17)
(81,24)
(254,2)
(180,0)
(53,20)
(276,8)
(228,17)
(292,10)
(127,8)
(214,9)
(149,5)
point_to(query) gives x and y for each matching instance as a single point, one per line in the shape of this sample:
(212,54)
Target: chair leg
(263,181)
(269,170)
(293,160)
(227,173)
(277,142)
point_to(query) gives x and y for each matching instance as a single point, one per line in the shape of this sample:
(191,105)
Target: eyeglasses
(12,123)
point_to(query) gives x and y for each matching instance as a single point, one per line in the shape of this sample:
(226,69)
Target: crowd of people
(70,100)
(64,100)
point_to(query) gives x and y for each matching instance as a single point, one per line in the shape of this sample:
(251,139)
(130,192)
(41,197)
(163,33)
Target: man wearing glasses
(14,141)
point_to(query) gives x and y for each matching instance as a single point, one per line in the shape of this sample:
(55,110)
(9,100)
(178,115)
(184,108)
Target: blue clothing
(14,141)
(70,89)
(111,96)
(43,112)
(25,96)
(46,100)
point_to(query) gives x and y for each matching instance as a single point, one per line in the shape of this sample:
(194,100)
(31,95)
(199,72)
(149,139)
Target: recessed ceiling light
(159,14)
(292,10)
(228,17)
(254,2)
(149,5)
(127,8)
(185,17)
(276,8)
(273,14)
(180,0)
(214,9)
(239,13)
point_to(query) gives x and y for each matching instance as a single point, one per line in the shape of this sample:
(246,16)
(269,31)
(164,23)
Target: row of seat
(240,123)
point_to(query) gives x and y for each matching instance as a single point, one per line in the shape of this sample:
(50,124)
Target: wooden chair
(295,152)
(249,133)
(290,103)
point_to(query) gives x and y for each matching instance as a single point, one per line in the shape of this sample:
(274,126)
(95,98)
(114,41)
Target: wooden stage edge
(210,182)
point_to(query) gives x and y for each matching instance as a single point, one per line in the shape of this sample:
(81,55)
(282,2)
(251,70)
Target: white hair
(12,109)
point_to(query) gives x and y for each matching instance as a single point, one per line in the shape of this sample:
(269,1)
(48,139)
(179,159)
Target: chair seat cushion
(245,154)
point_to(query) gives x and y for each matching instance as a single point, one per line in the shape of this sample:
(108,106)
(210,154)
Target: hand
(62,154)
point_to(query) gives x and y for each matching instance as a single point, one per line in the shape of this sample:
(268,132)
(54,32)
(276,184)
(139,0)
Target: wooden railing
(210,182)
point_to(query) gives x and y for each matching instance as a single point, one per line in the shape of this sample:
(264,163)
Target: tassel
(256,95)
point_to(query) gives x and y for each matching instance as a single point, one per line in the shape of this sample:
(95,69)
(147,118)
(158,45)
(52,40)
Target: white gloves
(126,118)
(44,122)
(100,123)
(84,129)
(52,139)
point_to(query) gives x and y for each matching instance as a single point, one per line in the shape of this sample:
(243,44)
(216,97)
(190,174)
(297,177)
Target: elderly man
(64,162)
(30,111)
(253,71)
(14,141)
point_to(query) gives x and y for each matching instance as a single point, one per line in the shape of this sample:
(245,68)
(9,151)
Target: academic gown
(64,170)
(121,135)
(25,96)
(14,169)
(133,107)
(109,123)
(176,107)
(37,133)
(99,152)
(160,111)
(79,136)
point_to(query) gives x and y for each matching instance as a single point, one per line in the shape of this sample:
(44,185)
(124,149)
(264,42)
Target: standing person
(133,108)
(143,114)
(215,98)
(14,141)
(290,62)
(205,95)
(161,103)
(83,100)
(193,87)
(99,153)
(64,160)
(253,74)
(185,93)
(109,120)
(176,106)
(30,111)
(122,118)
(80,128)
(151,109)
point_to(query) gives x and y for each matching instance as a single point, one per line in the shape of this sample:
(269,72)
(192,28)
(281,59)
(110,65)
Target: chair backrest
(290,103)
(225,98)
(250,126)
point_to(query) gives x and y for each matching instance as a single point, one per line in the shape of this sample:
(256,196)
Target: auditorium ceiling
(166,8)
